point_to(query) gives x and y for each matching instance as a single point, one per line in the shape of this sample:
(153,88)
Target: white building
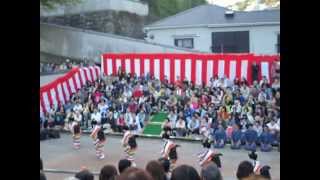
(211,28)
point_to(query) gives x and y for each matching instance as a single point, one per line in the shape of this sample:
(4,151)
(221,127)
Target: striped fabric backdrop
(198,68)
(60,90)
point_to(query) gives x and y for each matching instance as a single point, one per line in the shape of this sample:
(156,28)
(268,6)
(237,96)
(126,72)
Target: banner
(198,68)
(60,90)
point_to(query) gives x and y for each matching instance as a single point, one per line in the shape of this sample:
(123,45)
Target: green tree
(51,4)
(243,5)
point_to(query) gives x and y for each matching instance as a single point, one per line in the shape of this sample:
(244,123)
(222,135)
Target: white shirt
(274,127)
(78,117)
(77,107)
(96,117)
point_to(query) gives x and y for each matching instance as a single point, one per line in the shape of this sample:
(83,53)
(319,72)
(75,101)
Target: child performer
(95,131)
(99,144)
(76,134)
(169,151)
(129,144)
(208,155)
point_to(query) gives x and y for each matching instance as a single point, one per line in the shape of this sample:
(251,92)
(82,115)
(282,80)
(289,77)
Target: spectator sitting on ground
(108,172)
(156,170)
(123,165)
(265,140)
(220,137)
(236,137)
(193,125)
(210,172)
(251,137)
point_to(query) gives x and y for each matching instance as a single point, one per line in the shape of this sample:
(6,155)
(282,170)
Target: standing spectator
(156,170)
(108,172)
(245,170)
(84,175)
(185,172)
(210,172)
(123,165)
(133,173)
(255,71)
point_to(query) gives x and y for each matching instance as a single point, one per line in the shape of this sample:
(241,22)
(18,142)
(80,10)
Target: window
(278,43)
(230,42)
(184,43)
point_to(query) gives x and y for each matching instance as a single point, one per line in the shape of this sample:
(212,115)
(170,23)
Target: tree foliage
(163,8)
(243,5)
(51,4)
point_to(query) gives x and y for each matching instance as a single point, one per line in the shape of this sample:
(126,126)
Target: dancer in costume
(129,144)
(169,151)
(95,131)
(76,134)
(208,155)
(99,144)
(258,168)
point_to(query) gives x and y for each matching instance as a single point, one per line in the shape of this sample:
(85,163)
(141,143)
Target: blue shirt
(236,135)
(251,135)
(265,138)
(220,134)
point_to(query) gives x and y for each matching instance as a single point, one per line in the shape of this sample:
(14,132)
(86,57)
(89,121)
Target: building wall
(262,39)
(80,44)
(132,6)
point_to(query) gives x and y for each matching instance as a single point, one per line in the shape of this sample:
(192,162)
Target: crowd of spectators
(159,170)
(46,67)
(225,110)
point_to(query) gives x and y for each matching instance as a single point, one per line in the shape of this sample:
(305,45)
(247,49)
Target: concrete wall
(262,39)
(49,78)
(77,43)
(132,6)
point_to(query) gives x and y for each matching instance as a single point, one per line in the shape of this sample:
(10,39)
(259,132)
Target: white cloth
(77,107)
(96,117)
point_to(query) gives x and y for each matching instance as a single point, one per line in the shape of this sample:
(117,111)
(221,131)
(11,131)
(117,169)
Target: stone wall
(108,21)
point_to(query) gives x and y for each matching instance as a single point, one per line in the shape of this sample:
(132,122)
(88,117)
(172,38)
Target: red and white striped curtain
(198,68)
(60,90)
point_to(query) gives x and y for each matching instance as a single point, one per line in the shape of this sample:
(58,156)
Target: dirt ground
(59,154)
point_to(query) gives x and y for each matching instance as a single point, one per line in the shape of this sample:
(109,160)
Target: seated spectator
(210,172)
(274,129)
(185,172)
(245,170)
(121,123)
(95,117)
(258,127)
(173,118)
(166,126)
(265,140)
(156,170)
(133,173)
(220,137)
(236,137)
(84,175)
(251,137)
(166,167)
(193,126)
(123,165)
(108,172)
(181,128)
